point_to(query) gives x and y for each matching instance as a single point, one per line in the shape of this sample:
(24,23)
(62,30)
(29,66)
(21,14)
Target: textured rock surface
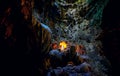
(77,22)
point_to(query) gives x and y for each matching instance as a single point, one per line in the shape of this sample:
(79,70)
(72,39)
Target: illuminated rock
(79,22)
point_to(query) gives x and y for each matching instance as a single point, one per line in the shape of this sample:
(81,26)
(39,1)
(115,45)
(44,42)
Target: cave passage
(57,37)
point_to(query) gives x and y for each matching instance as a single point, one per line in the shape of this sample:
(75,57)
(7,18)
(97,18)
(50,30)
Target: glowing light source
(63,45)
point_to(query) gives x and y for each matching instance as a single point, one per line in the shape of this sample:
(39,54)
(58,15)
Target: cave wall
(76,22)
(79,23)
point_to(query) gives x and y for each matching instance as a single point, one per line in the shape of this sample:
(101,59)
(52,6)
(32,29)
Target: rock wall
(78,22)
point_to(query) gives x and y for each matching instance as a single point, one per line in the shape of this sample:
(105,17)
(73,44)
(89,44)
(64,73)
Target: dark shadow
(111,36)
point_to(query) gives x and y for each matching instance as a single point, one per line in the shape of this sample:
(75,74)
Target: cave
(60,37)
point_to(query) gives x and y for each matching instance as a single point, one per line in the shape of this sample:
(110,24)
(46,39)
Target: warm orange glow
(63,46)
(79,49)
